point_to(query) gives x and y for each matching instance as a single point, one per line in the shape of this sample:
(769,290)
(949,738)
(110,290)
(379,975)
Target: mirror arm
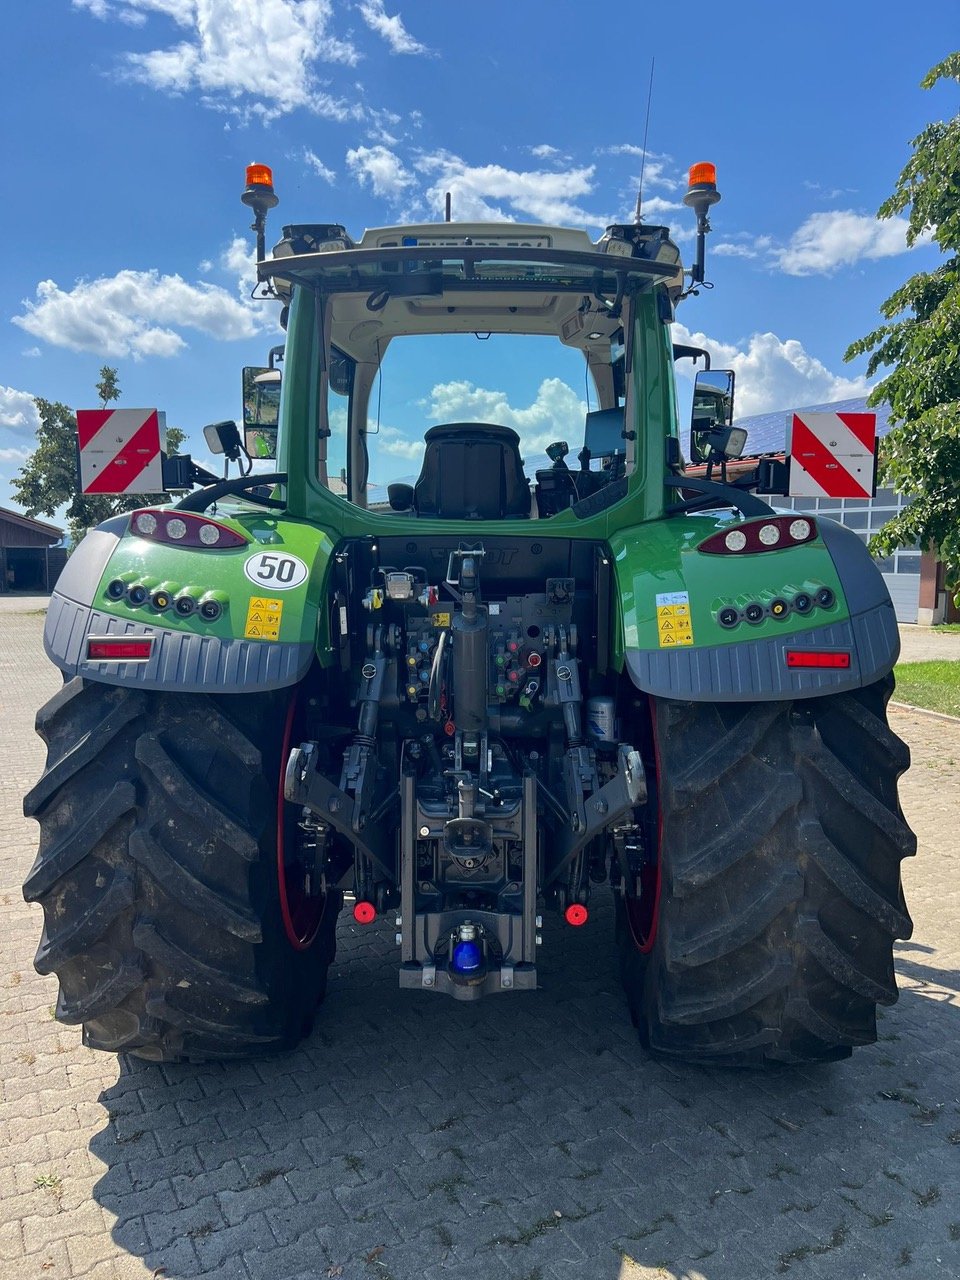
(225,488)
(714,494)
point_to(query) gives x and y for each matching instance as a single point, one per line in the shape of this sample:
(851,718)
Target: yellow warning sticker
(674,625)
(263,619)
(441,619)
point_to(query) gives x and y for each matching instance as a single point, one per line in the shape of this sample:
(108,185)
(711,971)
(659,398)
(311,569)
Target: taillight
(119,649)
(181,528)
(817,658)
(760,535)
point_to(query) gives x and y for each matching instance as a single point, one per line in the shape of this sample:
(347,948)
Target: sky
(129,124)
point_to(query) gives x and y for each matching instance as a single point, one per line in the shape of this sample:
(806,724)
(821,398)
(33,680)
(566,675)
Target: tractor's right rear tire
(781,837)
(165,919)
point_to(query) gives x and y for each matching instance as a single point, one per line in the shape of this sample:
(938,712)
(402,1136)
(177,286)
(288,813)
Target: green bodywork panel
(661,559)
(154,564)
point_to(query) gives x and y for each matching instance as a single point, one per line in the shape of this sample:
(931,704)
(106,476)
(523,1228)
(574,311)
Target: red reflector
(364,913)
(118,650)
(576,915)
(816,658)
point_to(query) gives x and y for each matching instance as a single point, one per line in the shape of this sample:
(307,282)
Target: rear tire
(780,890)
(157,874)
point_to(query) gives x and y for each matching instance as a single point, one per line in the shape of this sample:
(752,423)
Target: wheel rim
(301,913)
(643,913)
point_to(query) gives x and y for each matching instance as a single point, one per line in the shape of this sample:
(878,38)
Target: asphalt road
(527,1138)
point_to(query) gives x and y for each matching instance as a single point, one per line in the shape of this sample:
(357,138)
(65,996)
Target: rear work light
(774,534)
(181,529)
(119,649)
(817,659)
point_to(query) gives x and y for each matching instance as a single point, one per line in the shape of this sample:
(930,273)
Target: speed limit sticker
(276,571)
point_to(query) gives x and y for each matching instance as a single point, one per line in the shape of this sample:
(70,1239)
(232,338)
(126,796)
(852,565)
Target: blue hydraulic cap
(467,954)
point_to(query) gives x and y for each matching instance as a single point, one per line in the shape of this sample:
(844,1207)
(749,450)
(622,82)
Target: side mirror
(604,433)
(261,410)
(712,409)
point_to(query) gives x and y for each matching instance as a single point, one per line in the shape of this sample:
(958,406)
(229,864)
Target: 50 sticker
(276,571)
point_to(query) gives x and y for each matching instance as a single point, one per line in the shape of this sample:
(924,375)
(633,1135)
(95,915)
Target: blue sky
(129,123)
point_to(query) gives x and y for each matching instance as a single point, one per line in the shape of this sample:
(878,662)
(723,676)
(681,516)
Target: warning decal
(674,626)
(832,455)
(263,619)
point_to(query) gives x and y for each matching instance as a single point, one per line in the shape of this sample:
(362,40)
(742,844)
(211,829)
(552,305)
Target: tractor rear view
(428,666)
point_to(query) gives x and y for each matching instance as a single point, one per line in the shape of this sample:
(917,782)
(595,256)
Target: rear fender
(672,596)
(269,590)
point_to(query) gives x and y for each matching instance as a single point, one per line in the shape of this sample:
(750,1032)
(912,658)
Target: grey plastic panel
(757,671)
(180,660)
(862,581)
(84,568)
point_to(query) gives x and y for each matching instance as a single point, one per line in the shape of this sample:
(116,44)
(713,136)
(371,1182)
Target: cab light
(180,528)
(703,174)
(259,175)
(121,649)
(817,659)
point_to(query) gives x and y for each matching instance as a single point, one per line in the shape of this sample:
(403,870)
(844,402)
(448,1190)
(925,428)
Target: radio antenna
(447,209)
(646,131)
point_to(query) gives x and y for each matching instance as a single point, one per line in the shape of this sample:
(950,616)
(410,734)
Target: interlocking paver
(414,1137)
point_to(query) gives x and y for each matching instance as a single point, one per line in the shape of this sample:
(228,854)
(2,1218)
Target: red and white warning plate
(833,455)
(120,450)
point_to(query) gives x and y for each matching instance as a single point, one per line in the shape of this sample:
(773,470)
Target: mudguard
(672,595)
(265,637)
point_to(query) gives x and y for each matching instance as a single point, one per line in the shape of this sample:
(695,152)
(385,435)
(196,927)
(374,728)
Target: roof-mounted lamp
(701,194)
(260,196)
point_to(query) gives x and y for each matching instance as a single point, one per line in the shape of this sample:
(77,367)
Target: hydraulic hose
(433,689)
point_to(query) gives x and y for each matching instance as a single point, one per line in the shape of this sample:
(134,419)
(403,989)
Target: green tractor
(409,669)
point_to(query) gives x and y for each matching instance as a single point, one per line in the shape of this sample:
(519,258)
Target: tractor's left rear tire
(166,919)
(780,897)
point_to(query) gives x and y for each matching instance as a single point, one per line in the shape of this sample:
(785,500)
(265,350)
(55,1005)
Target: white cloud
(136,313)
(14,455)
(31,353)
(318,167)
(17,410)
(772,373)
(392,29)
(556,414)
(655,167)
(381,168)
(242,49)
(240,259)
(544,151)
(135,12)
(393,441)
(743,246)
(547,196)
(827,241)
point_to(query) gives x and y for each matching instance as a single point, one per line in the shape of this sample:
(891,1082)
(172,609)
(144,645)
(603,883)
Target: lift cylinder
(470,660)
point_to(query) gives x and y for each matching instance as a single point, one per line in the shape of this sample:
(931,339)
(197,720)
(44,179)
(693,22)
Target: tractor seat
(472,471)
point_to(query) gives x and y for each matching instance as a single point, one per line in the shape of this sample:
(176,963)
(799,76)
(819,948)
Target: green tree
(921,344)
(108,388)
(48,480)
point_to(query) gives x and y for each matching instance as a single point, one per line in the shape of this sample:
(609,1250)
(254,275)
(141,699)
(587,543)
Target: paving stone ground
(527,1138)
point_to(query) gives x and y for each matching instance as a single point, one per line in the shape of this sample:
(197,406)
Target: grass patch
(932,685)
